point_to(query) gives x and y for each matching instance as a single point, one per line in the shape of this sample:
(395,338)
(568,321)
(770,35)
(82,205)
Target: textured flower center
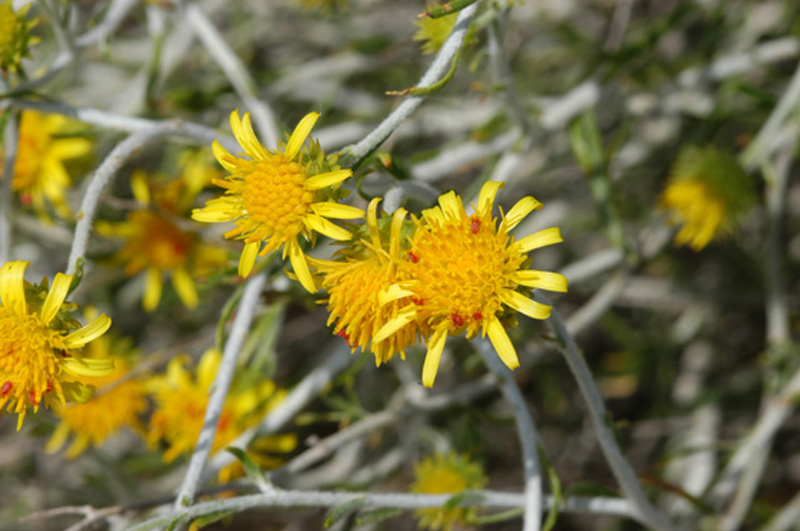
(274,195)
(442,480)
(29,364)
(165,245)
(461,267)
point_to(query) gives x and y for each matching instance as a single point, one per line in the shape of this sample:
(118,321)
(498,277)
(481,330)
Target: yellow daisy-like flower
(354,285)
(156,244)
(15,37)
(707,190)
(38,353)
(39,172)
(119,404)
(446,474)
(465,272)
(274,197)
(181,406)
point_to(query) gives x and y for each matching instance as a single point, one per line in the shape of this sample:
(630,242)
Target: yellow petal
(153,286)
(398,322)
(141,192)
(395,233)
(539,239)
(248,258)
(329,209)
(251,144)
(519,211)
(486,197)
(69,148)
(185,287)
(323,226)
(433,357)
(55,297)
(300,134)
(502,344)
(207,368)
(84,335)
(393,293)
(58,438)
(323,180)
(12,289)
(300,266)
(228,161)
(541,279)
(451,205)
(372,222)
(78,446)
(77,392)
(521,303)
(216,211)
(88,366)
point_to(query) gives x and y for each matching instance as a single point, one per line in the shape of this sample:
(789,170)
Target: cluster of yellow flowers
(438,274)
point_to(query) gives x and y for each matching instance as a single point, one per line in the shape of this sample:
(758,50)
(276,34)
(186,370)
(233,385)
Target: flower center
(165,245)
(274,195)
(29,363)
(461,267)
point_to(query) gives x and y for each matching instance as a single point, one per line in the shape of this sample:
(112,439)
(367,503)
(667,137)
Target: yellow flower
(181,405)
(38,353)
(446,474)
(707,190)
(275,196)
(120,401)
(15,36)
(354,284)
(156,244)
(465,270)
(434,31)
(39,172)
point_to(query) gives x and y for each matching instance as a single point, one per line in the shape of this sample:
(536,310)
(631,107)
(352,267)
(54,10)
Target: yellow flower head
(39,355)
(156,244)
(15,36)
(181,406)
(118,404)
(446,474)
(434,31)
(706,192)
(464,275)
(354,285)
(39,172)
(275,196)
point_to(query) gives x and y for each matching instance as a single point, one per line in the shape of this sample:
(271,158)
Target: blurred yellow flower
(446,474)
(275,196)
(157,244)
(118,404)
(15,38)
(706,192)
(39,172)
(354,284)
(39,354)
(464,272)
(181,402)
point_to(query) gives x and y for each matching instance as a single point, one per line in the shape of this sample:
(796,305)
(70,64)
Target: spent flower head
(448,473)
(706,193)
(275,196)
(41,352)
(433,32)
(39,172)
(465,274)
(367,268)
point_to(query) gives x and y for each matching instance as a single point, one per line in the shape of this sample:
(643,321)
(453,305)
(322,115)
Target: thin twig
(219,389)
(10,141)
(528,437)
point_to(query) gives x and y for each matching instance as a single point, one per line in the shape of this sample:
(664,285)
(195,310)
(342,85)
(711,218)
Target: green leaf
(377,516)
(555,489)
(463,498)
(208,519)
(344,510)
(250,468)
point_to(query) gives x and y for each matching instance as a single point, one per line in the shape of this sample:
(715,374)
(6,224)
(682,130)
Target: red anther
(6,388)
(417,301)
(26,199)
(32,396)
(414,258)
(49,387)
(475,225)
(477,316)
(64,354)
(457,319)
